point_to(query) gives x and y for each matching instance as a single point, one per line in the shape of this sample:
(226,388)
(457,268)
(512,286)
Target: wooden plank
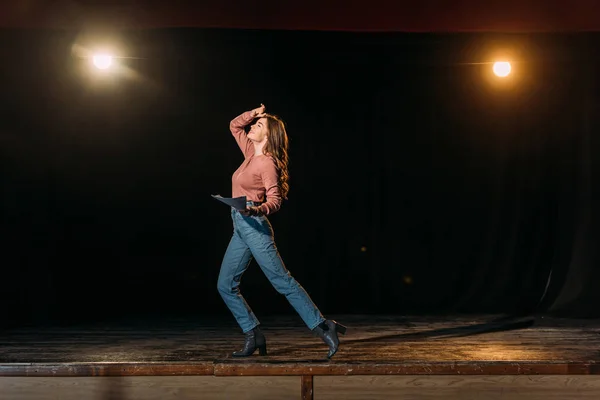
(411,387)
(505,387)
(297,369)
(107,369)
(306,387)
(374,368)
(149,388)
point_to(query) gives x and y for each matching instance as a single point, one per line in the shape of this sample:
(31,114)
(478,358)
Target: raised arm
(237,126)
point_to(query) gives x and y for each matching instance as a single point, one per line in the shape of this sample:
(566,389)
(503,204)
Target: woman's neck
(258,148)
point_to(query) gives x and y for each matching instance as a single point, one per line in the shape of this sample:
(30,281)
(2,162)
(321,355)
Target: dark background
(419,182)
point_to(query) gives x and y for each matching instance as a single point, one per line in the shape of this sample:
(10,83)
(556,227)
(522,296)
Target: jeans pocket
(261,224)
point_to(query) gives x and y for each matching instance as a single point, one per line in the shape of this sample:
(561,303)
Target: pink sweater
(257,177)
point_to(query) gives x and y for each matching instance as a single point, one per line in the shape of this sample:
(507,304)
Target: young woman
(263,179)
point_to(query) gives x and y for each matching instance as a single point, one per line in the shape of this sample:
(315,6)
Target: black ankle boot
(254,340)
(328,331)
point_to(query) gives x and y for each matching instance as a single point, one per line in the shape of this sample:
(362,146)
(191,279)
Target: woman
(263,179)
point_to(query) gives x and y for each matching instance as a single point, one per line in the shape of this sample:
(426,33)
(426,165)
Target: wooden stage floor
(374,345)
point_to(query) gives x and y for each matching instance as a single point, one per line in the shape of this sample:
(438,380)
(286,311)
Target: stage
(451,357)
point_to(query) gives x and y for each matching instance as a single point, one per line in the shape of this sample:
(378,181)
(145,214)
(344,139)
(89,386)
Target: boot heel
(340,328)
(262,350)
(253,340)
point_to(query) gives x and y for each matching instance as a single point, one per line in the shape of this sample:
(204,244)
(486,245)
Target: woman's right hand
(258,111)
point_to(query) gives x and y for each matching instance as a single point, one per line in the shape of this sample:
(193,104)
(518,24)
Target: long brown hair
(277,147)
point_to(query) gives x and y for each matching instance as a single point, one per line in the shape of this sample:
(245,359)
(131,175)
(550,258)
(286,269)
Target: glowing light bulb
(102,61)
(502,68)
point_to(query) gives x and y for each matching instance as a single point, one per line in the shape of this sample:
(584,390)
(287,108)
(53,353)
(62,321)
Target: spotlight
(102,61)
(502,68)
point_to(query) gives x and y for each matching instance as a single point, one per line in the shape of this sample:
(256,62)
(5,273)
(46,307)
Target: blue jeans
(253,238)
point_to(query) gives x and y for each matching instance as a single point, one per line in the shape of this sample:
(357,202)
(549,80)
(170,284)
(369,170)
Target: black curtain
(420,182)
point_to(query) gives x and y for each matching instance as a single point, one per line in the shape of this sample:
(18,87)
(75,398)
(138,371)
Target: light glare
(502,68)
(102,61)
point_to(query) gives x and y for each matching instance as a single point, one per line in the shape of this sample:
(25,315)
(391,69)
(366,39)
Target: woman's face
(258,131)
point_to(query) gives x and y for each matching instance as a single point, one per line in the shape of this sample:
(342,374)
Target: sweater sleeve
(270,180)
(237,130)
